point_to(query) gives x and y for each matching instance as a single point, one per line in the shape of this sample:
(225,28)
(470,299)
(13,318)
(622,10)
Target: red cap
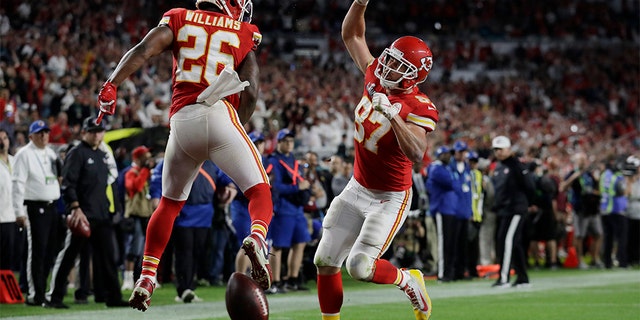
(140,151)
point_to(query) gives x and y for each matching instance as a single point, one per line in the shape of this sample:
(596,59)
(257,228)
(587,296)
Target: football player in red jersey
(392,121)
(208,45)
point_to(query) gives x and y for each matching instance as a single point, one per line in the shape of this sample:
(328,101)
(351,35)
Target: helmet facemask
(391,62)
(244,10)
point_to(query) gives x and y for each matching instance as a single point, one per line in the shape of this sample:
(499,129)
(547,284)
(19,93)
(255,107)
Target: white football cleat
(416,291)
(258,252)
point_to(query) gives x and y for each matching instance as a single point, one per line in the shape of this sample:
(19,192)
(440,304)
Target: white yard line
(285,303)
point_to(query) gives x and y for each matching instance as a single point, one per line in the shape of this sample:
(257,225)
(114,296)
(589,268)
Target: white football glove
(226,84)
(381,104)
(362,2)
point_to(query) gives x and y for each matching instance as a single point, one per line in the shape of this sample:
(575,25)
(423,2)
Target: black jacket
(514,187)
(84,179)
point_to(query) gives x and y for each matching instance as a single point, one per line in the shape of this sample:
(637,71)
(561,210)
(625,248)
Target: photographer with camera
(582,188)
(138,210)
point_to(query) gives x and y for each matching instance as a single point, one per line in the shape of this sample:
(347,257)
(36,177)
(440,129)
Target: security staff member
(289,227)
(477,203)
(85,179)
(442,188)
(514,189)
(463,207)
(35,190)
(613,206)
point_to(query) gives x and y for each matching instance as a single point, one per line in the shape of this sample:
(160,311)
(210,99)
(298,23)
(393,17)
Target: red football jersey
(380,164)
(203,43)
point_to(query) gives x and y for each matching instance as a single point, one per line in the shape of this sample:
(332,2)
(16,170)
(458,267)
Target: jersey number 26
(205,55)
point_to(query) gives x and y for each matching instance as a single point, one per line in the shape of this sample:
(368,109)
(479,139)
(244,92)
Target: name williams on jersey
(212,20)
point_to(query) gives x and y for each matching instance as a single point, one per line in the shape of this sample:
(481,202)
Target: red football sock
(260,207)
(159,232)
(385,272)
(330,293)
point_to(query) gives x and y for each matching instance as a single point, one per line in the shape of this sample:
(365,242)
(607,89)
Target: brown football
(245,299)
(82,229)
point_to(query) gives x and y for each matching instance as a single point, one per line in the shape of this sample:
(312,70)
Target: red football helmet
(240,10)
(409,57)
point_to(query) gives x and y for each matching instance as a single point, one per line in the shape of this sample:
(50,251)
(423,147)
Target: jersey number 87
(364,114)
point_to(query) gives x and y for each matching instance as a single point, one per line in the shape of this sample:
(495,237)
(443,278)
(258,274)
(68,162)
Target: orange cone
(9,289)
(572,258)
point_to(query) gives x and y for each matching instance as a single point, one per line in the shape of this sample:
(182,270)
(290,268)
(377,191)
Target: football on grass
(245,299)
(81,229)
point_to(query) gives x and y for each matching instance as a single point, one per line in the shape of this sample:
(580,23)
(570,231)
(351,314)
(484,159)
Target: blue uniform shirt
(441,188)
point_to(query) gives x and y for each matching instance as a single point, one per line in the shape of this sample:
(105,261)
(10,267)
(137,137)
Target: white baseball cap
(500,142)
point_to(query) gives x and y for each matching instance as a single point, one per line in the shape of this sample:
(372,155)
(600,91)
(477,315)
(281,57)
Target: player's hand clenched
(107,98)
(381,104)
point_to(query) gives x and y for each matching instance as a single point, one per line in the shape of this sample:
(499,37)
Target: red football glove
(107,98)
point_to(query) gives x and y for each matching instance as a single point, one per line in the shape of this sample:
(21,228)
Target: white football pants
(199,133)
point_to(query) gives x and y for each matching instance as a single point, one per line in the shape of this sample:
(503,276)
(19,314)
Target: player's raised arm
(353,29)
(154,43)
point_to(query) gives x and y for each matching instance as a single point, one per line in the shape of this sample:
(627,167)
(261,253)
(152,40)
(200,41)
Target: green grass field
(562,294)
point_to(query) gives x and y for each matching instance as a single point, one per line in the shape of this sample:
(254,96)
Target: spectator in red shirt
(60,130)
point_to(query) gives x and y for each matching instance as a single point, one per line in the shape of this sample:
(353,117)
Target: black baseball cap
(89,125)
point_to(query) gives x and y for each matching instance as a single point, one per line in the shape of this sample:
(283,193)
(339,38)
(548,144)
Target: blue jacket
(288,198)
(441,188)
(198,211)
(464,210)
(155,183)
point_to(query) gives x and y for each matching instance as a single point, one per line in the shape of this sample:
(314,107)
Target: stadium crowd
(557,79)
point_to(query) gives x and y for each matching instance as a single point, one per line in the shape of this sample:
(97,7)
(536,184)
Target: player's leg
(181,163)
(340,226)
(385,213)
(233,152)
(383,220)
